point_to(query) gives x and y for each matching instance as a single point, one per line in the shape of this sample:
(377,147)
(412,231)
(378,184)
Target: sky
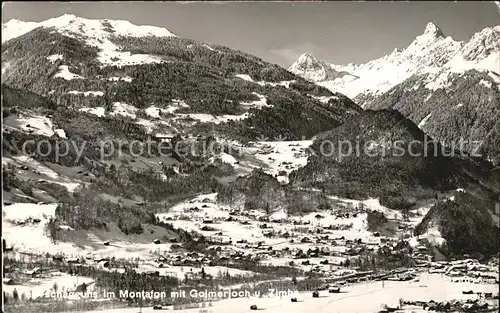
(278,32)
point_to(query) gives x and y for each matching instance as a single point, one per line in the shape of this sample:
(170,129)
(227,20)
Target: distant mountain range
(449,88)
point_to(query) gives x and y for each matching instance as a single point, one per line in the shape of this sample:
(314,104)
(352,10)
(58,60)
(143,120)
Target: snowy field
(359,298)
(40,287)
(29,122)
(29,168)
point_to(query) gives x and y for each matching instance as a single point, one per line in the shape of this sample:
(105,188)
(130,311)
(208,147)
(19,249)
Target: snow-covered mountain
(95,33)
(70,24)
(129,144)
(73,60)
(430,53)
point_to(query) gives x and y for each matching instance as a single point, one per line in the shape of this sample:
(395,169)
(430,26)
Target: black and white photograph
(241,156)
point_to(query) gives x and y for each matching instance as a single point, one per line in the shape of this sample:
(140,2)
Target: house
(268,234)
(207,228)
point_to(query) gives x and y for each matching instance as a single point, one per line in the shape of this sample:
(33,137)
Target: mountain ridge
(449,88)
(427,53)
(66,22)
(143,155)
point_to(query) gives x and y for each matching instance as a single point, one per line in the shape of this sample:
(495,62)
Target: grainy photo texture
(230,157)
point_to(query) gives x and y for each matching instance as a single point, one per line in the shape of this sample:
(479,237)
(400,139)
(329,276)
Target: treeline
(191,72)
(224,59)
(467,110)
(86,210)
(292,116)
(27,55)
(27,186)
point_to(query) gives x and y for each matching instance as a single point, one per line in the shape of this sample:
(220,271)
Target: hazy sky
(337,32)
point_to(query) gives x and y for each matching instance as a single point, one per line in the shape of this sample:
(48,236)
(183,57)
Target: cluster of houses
(470,305)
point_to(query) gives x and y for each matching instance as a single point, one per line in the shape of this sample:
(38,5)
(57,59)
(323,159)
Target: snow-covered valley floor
(360,298)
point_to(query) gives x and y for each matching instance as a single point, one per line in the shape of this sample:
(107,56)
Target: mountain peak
(306,57)
(306,62)
(67,16)
(432,29)
(72,24)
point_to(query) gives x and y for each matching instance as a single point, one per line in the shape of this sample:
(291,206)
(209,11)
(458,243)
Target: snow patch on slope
(124,109)
(424,120)
(30,122)
(66,74)
(262,102)
(54,57)
(281,157)
(209,118)
(99,111)
(124,78)
(87,93)
(245,77)
(60,132)
(485,83)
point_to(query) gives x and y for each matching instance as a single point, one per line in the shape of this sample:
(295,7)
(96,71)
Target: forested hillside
(468,110)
